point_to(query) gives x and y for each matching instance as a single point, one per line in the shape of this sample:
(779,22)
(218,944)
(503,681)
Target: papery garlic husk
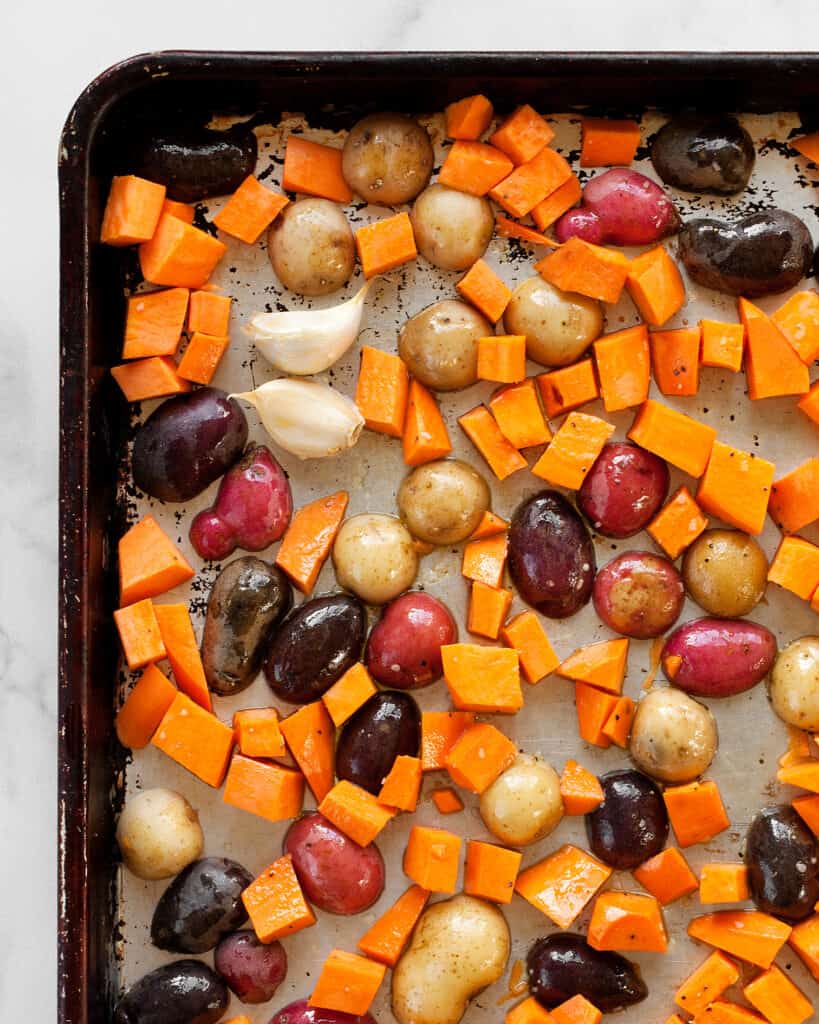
(308,419)
(306,341)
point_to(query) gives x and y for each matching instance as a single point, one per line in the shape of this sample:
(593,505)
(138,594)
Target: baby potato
(523,804)
(442,502)
(159,834)
(559,326)
(440,345)
(374,558)
(452,229)
(725,572)
(794,685)
(673,737)
(311,247)
(387,159)
(458,949)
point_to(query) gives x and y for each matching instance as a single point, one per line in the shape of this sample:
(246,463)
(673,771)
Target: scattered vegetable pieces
(623,367)
(749,935)
(724,883)
(139,717)
(275,903)
(736,487)
(526,635)
(580,791)
(573,450)
(491,871)
(314,170)
(432,858)
(250,210)
(132,211)
(602,665)
(696,812)
(482,430)
(196,739)
(482,679)
(722,345)
(154,322)
(479,755)
(684,442)
(707,983)
(485,290)
(562,884)
(606,142)
(568,388)
(678,523)
(667,876)
(309,538)
(628,922)
(386,939)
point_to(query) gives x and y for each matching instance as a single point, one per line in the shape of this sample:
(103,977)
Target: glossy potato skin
(184,992)
(564,965)
(452,229)
(300,1012)
(247,601)
(440,344)
(252,970)
(188,442)
(639,594)
(673,737)
(551,557)
(761,254)
(558,326)
(704,154)
(523,805)
(631,824)
(335,873)
(720,657)
(404,646)
(794,685)
(385,727)
(623,490)
(201,904)
(374,557)
(311,247)
(196,163)
(314,647)
(725,572)
(782,860)
(387,159)
(443,501)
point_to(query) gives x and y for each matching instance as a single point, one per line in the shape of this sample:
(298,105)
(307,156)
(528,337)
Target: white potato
(387,158)
(159,834)
(374,557)
(452,229)
(559,326)
(794,684)
(311,247)
(440,344)
(725,572)
(523,804)
(458,948)
(442,502)
(673,737)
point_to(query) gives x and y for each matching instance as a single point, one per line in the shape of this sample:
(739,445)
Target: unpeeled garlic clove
(308,419)
(306,341)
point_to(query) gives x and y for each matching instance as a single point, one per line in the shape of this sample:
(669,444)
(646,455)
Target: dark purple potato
(631,824)
(404,648)
(195,163)
(201,904)
(184,992)
(639,594)
(247,601)
(702,153)
(384,728)
(188,442)
(315,646)
(623,490)
(564,965)
(782,860)
(761,254)
(252,970)
(551,557)
(336,874)
(300,1013)
(718,657)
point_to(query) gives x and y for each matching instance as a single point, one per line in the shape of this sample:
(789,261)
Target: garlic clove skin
(307,419)
(306,341)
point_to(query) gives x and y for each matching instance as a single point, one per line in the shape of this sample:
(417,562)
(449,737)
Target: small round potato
(374,558)
(559,326)
(159,834)
(459,948)
(387,159)
(725,572)
(673,737)
(523,804)
(311,247)
(794,685)
(452,229)
(440,345)
(442,502)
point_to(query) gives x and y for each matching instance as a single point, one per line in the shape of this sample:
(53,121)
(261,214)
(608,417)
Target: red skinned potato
(300,1013)
(252,969)
(252,509)
(639,594)
(404,648)
(631,210)
(623,490)
(336,874)
(718,657)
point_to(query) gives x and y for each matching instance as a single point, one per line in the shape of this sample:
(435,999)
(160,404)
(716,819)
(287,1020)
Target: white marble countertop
(48,58)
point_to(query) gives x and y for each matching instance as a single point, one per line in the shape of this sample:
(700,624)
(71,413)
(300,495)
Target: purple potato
(623,490)
(188,442)
(704,153)
(639,594)
(551,557)
(718,657)
(631,824)
(565,965)
(252,969)
(300,1013)
(184,992)
(404,648)
(782,860)
(336,874)
(387,726)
